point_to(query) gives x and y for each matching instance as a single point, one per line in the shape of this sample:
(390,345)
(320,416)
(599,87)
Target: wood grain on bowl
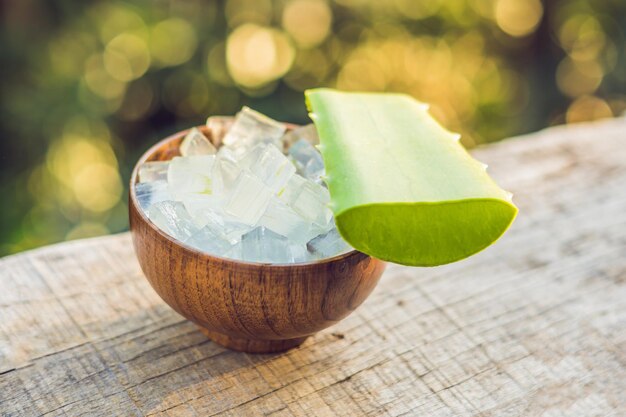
(247,306)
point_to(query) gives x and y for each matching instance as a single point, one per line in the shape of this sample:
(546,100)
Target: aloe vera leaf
(403,189)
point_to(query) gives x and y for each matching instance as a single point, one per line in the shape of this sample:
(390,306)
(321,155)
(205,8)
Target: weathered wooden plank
(532,326)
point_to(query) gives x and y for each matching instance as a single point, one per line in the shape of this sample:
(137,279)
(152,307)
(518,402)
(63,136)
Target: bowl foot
(252,345)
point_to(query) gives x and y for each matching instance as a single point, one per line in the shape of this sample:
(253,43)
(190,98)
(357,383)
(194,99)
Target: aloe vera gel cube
(248,200)
(207,240)
(273,168)
(251,127)
(282,219)
(263,245)
(329,244)
(195,143)
(307,132)
(149,193)
(191,175)
(311,202)
(153,171)
(171,217)
(219,127)
(225,171)
(308,160)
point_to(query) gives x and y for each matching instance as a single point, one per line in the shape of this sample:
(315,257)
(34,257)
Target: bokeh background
(87,86)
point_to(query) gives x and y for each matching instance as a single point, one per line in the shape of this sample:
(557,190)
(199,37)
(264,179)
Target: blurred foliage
(87,86)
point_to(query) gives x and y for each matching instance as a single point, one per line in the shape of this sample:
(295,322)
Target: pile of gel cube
(260,197)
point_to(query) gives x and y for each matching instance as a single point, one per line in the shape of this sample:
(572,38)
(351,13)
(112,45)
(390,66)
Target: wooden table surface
(533,326)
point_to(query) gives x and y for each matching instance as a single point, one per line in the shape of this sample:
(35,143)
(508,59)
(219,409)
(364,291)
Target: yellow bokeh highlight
(69,52)
(173,42)
(88,169)
(587,108)
(582,37)
(97,186)
(257,55)
(307,21)
(126,57)
(114,19)
(577,78)
(100,81)
(447,73)
(518,17)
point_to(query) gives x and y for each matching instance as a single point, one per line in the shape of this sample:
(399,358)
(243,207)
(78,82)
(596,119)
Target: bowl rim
(132,201)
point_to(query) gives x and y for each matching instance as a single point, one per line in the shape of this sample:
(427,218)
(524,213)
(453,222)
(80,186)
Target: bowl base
(252,345)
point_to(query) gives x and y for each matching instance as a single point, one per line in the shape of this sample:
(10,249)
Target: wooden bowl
(247,306)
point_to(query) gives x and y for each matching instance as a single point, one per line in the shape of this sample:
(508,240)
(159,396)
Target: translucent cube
(235,230)
(300,253)
(195,143)
(207,217)
(219,127)
(273,168)
(308,160)
(225,171)
(309,200)
(290,191)
(235,252)
(197,164)
(211,240)
(153,171)
(149,193)
(248,200)
(225,228)
(329,244)
(263,245)
(191,174)
(200,205)
(247,160)
(173,219)
(283,220)
(307,132)
(251,127)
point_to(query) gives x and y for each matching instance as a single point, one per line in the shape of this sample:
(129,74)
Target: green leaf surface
(403,188)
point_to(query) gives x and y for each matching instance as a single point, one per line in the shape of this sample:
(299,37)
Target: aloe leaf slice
(403,189)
